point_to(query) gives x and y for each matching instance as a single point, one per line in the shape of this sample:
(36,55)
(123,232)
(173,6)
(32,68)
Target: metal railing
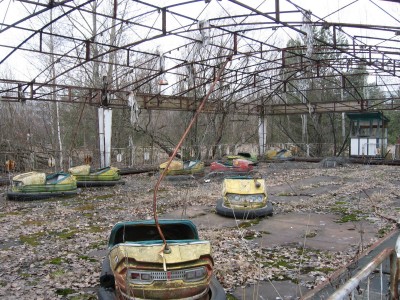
(353,289)
(374,275)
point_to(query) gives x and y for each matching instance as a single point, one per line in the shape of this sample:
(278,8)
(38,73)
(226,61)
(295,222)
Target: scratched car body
(38,185)
(237,166)
(244,197)
(179,167)
(88,177)
(252,158)
(137,268)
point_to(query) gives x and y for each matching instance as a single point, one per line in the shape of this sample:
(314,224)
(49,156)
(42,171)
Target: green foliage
(95,229)
(66,234)
(56,261)
(312,80)
(87,206)
(246,224)
(57,273)
(83,297)
(394,126)
(34,222)
(384,230)
(98,245)
(85,257)
(352,217)
(347,215)
(64,292)
(31,239)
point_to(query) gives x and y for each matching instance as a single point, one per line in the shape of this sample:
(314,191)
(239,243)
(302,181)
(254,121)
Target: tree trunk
(219,132)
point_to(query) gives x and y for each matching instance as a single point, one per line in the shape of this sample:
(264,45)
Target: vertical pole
(87,44)
(100,113)
(32,92)
(334,36)
(381,279)
(115,9)
(262,132)
(40,40)
(277,10)
(164,20)
(343,118)
(369,54)
(21,96)
(107,136)
(395,272)
(235,43)
(105,121)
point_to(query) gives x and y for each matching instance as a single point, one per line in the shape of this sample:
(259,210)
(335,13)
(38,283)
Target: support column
(262,134)
(343,120)
(100,113)
(107,136)
(105,121)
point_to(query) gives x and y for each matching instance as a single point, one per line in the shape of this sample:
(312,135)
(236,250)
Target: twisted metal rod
(198,111)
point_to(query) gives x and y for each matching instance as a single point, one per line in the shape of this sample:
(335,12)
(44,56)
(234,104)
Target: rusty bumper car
(137,268)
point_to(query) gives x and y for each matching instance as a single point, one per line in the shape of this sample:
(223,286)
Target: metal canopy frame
(186,42)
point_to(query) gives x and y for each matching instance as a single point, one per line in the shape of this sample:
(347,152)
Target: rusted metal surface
(326,289)
(354,281)
(10,165)
(394,274)
(373,49)
(142,273)
(118,99)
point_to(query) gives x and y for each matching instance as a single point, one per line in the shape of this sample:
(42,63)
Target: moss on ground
(249,223)
(91,259)
(65,234)
(56,261)
(33,223)
(32,239)
(65,292)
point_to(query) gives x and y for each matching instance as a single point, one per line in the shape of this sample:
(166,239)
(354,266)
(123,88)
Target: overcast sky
(345,11)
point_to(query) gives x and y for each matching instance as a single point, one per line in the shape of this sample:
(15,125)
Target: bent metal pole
(198,111)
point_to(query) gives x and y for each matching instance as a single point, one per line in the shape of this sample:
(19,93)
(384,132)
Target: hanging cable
(165,247)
